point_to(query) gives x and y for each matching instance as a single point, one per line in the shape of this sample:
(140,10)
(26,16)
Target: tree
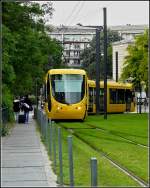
(26,48)
(88,56)
(26,45)
(136,63)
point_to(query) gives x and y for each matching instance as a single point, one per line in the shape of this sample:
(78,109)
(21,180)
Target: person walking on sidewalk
(16,108)
(27,106)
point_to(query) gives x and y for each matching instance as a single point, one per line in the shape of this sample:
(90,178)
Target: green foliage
(26,48)
(136,63)
(88,57)
(4,130)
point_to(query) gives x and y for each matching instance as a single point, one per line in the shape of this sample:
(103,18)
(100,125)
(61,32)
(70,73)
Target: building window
(77,62)
(77,46)
(76,53)
(67,53)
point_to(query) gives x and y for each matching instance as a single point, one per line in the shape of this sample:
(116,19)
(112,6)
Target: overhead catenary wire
(77,13)
(72,12)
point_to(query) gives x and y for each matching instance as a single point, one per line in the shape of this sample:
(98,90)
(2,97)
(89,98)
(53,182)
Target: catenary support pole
(97,70)
(116,66)
(105,63)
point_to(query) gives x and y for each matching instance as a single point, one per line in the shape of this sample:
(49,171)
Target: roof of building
(123,42)
(128,27)
(72,29)
(79,29)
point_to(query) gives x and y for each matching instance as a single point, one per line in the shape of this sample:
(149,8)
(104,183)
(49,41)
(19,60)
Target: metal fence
(5,115)
(142,105)
(49,134)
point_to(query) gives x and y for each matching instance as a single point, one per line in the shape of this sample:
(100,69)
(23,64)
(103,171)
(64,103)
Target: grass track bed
(131,126)
(108,174)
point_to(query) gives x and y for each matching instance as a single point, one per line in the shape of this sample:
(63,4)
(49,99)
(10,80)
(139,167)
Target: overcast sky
(91,12)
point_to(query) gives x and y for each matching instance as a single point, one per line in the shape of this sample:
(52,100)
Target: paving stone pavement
(24,160)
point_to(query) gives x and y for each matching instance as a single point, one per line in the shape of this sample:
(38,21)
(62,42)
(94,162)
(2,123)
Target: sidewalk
(24,159)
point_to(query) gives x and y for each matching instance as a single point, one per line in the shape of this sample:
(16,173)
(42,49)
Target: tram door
(91,99)
(128,98)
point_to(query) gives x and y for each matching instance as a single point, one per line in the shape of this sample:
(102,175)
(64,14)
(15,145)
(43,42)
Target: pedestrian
(145,104)
(16,108)
(27,107)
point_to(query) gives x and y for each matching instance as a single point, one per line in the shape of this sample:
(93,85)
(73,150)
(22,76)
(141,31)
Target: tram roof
(67,71)
(111,84)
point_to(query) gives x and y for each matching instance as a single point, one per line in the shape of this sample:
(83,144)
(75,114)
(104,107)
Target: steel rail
(112,161)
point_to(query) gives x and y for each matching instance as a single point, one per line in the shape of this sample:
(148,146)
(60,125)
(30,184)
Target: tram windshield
(68,88)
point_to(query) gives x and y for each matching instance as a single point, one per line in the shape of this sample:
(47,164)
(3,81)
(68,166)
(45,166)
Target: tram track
(110,132)
(139,180)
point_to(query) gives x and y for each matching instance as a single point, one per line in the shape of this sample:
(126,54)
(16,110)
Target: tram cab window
(45,92)
(68,88)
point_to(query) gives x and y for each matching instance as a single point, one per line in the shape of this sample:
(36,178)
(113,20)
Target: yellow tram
(66,94)
(120,97)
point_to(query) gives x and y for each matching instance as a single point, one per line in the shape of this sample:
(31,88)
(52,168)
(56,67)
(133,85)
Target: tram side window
(112,96)
(117,96)
(129,96)
(101,92)
(121,96)
(94,95)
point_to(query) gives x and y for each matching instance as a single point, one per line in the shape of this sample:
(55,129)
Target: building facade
(74,40)
(119,49)
(128,32)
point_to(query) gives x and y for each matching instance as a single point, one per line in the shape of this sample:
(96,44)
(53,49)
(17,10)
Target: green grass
(130,126)
(108,175)
(133,157)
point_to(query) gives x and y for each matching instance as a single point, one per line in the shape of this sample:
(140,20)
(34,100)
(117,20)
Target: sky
(91,12)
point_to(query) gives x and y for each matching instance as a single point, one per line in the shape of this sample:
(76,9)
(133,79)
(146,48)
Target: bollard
(70,160)
(50,140)
(47,131)
(60,156)
(41,122)
(54,146)
(93,172)
(45,127)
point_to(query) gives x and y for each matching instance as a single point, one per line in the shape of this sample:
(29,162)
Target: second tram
(120,97)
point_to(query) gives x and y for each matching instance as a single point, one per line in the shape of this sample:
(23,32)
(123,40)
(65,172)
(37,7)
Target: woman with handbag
(27,107)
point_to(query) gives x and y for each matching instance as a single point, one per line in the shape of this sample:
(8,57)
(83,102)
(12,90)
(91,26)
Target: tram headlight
(78,108)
